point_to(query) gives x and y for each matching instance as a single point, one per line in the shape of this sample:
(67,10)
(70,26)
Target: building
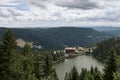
(70,51)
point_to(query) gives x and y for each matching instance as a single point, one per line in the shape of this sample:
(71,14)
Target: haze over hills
(115,33)
(103,28)
(57,38)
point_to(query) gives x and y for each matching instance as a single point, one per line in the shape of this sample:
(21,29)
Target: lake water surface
(80,62)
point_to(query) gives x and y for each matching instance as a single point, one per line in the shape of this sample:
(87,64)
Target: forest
(29,64)
(58,38)
(24,64)
(103,47)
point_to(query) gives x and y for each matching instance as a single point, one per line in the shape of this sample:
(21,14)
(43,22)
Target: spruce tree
(111,66)
(97,74)
(48,64)
(8,60)
(53,75)
(27,63)
(67,77)
(38,66)
(43,66)
(84,74)
(92,70)
(74,74)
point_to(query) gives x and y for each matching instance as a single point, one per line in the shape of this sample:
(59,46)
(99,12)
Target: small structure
(70,52)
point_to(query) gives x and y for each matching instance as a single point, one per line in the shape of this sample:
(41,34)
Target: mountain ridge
(58,37)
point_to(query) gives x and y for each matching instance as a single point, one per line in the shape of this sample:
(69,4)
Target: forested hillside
(104,28)
(57,38)
(115,33)
(24,64)
(102,48)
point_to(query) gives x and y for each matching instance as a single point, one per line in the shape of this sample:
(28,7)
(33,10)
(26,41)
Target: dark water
(80,62)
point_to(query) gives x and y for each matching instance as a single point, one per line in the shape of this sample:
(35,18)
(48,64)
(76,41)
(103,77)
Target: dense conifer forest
(24,64)
(103,47)
(58,38)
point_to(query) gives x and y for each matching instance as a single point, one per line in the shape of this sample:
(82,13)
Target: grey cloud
(79,4)
(7,6)
(4,14)
(14,13)
(39,3)
(57,14)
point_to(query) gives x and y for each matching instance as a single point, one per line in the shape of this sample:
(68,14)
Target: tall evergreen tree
(84,74)
(74,74)
(48,64)
(92,70)
(27,50)
(8,69)
(97,74)
(38,69)
(67,77)
(27,63)
(43,66)
(53,75)
(111,66)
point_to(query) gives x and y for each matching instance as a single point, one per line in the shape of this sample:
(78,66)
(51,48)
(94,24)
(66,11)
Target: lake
(79,62)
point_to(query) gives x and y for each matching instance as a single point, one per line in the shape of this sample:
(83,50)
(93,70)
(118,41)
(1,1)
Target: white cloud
(59,12)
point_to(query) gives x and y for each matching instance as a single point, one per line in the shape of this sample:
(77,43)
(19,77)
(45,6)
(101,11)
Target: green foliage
(106,50)
(92,74)
(58,56)
(38,69)
(25,64)
(57,38)
(111,66)
(102,48)
(48,64)
(8,58)
(73,75)
(43,66)
(116,76)
(67,77)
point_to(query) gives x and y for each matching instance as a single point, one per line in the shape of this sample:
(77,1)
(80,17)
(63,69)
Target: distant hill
(115,33)
(100,28)
(57,38)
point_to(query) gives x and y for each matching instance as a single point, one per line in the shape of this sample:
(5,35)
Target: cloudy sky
(40,13)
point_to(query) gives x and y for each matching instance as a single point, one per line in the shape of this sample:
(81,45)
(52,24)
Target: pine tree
(27,50)
(74,73)
(8,64)
(111,66)
(53,75)
(38,66)
(48,64)
(92,70)
(67,77)
(97,74)
(27,63)
(43,66)
(84,74)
